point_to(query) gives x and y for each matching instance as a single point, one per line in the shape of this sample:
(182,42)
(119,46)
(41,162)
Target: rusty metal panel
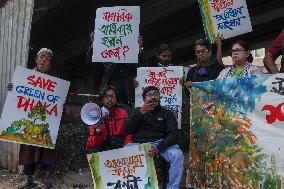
(15,25)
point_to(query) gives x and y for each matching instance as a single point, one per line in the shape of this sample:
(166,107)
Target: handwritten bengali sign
(237,133)
(125,168)
(227,17)
(167,80)
(33,109)
(116,34)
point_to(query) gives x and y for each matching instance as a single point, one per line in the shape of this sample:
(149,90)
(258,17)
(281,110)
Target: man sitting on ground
(157,125)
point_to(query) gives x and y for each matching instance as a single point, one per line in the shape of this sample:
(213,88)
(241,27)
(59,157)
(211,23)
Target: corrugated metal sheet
(15,24)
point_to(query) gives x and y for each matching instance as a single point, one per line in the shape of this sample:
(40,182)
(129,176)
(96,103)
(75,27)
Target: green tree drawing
(38,112)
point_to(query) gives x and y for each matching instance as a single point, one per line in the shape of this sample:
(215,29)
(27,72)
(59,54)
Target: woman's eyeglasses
(237,50)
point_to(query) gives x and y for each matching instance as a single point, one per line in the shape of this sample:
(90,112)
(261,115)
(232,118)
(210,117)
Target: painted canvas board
(237,133)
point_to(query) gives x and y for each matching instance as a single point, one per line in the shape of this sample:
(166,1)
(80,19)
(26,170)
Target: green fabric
(238,72)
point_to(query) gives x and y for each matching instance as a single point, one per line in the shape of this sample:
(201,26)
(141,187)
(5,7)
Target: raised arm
(272,54)
(218,42)
(269,64)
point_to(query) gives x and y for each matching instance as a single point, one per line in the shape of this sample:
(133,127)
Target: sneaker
(47,182)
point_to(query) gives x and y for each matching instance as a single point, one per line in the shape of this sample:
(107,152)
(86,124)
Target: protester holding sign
(164,56)
(276,49)
(157,125)
(163,59)
(242,62)
(207,68)
(121,77)
(27,154)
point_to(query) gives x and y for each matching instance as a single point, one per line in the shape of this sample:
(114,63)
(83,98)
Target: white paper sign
(128,167)
(167,80)
(116,34)
(230,17)
(33,108)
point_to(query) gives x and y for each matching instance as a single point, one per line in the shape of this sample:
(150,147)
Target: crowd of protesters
(151,122)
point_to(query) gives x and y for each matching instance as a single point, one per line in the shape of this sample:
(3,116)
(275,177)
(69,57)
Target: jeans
(175,157)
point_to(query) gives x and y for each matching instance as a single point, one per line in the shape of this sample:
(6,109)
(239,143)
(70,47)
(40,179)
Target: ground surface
(81,180)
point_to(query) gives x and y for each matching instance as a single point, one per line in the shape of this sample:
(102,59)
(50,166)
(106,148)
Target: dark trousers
(27,157)
(30,169)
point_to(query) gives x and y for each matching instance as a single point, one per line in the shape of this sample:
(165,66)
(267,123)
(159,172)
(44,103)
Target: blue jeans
(175,157)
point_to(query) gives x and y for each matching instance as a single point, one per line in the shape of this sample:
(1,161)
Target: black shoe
(29,185)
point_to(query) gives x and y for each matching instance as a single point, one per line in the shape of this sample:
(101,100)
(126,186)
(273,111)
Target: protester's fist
(148,106)
(140,42)
(218,39)
(9,86)
(181,81)
(136,83)
(92,36)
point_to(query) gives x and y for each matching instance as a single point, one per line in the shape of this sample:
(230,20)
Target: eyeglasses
(109,96)
(156,94)
(201,51)
(237,50)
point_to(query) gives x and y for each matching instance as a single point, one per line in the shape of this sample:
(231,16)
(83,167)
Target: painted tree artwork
(29,130)
(237,133)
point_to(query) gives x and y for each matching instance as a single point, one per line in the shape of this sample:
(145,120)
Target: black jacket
(121,76)
(213,71)
(157,124)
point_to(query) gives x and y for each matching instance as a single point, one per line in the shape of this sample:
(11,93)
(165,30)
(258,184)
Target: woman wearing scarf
(242,62)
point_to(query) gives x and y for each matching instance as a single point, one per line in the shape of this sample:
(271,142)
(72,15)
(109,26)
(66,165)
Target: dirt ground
(71,180)
(81,180)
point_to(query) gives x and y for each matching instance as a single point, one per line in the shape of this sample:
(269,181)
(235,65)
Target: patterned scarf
(242,72)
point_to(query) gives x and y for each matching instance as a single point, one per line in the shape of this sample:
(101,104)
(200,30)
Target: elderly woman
(242,62)
(28,153)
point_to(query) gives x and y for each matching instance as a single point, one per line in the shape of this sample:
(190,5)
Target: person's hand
(140,42)
(153,152)
(92,36)
(188,84)
(218,39)
(147,106)
(181,81)
(136,83)
(9,86)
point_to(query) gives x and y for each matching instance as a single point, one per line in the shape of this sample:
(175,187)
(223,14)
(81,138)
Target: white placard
(116,34)
(33,108)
